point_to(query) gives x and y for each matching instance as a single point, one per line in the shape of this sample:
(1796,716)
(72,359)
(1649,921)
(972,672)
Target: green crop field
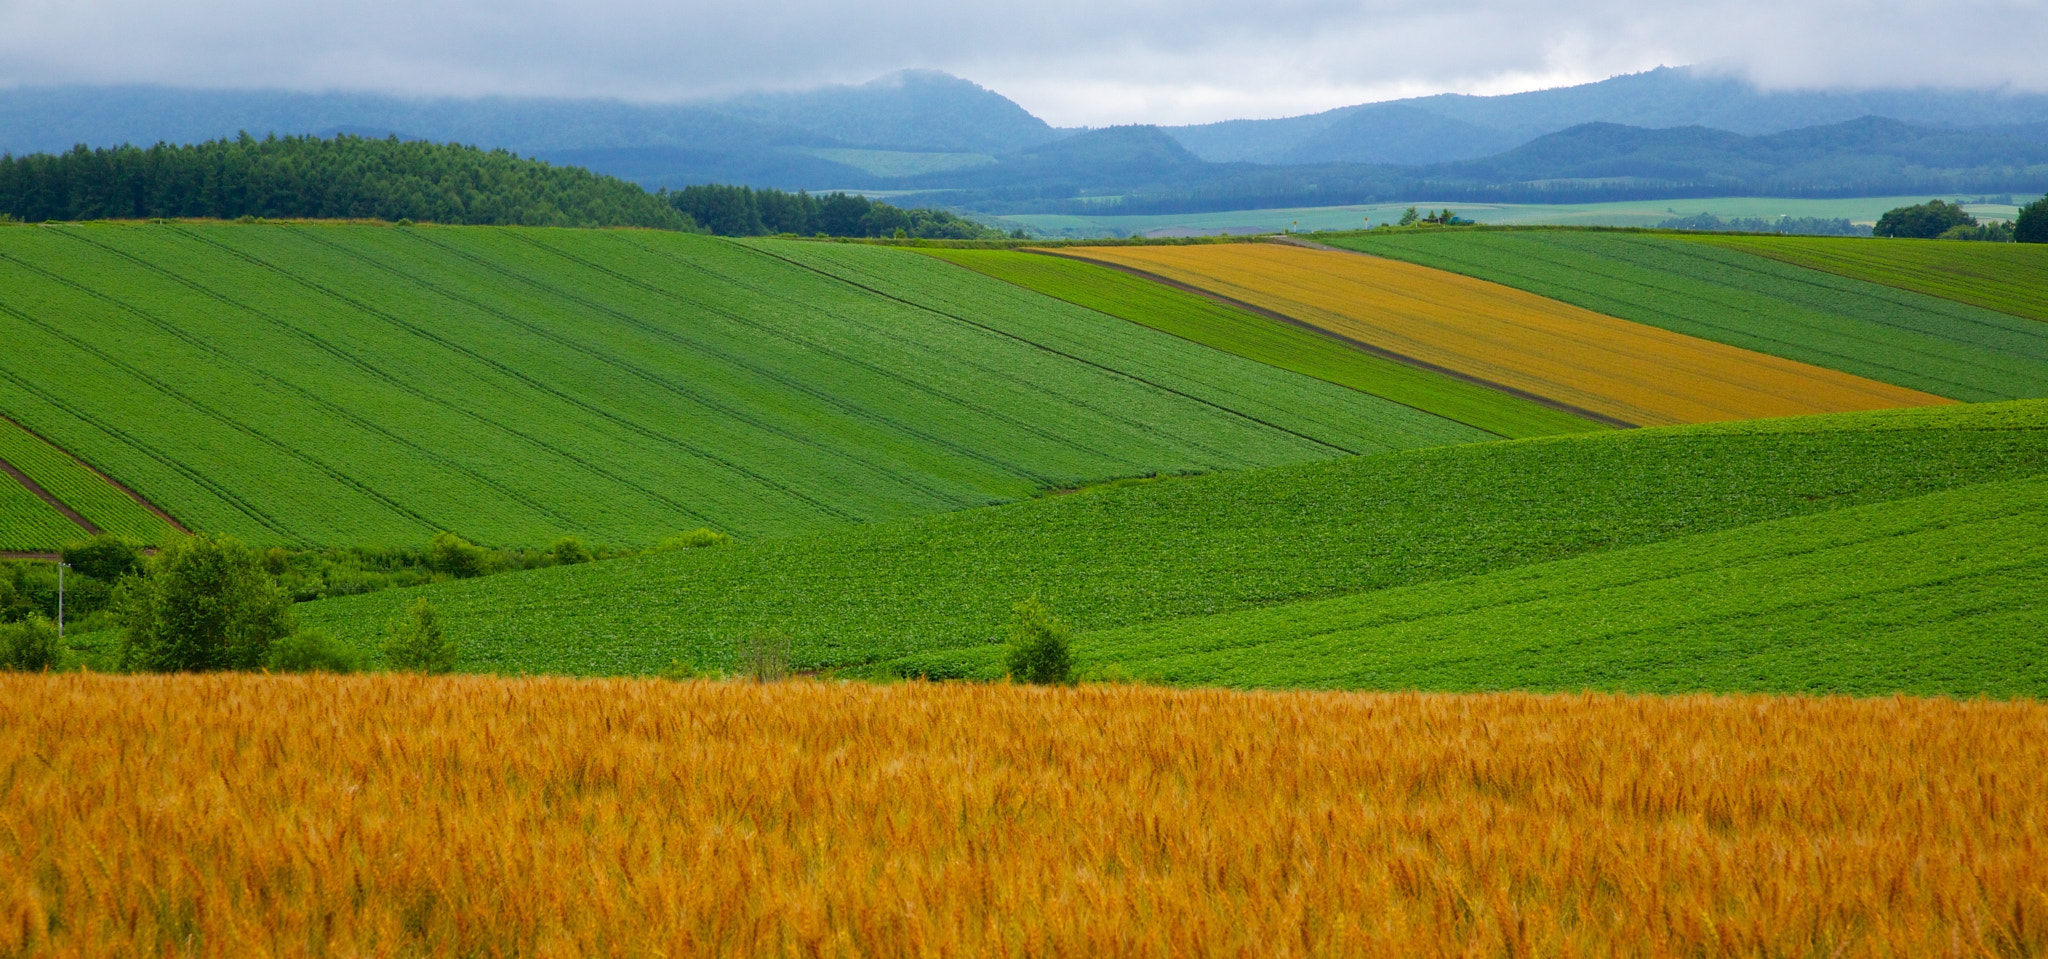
(1895,336)
(933,594)
(1268,341)
(336,385)
(2007,277)
(1941,594)
(79,488)
(27,523)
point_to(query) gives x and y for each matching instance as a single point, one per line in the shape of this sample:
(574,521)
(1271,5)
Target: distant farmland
(393,815)
(335,385)
(2007,277)
(1268,340)
(1628,372)
(1703,289)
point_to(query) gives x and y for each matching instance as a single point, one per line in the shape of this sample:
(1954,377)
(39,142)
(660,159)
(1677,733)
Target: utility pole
(61,567)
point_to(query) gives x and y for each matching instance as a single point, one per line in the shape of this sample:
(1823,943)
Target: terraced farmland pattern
(1731,296)
(1625,371)
(1267,340)
(321,384)
(933,596)
(2007,277)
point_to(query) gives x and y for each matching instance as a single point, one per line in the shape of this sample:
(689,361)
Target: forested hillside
(308,177)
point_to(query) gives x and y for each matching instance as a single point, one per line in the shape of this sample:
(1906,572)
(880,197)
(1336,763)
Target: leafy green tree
(1409,217)
(311,651)
(455,556)
(1924,221)
(2032,224)
(202,603)
(30,646)
(104,557)
(414,642)
(569,551)
(1041,647)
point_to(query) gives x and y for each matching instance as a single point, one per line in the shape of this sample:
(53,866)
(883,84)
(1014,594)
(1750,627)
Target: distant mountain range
(1667,132)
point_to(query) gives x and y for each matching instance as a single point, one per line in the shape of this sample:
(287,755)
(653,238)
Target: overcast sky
(1073,62)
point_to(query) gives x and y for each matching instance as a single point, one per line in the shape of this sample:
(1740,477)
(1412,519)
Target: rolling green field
(2007,277)
(932,595)
(339,385)
(1268,341)
(1895,336)
(1941,594)
(92,497)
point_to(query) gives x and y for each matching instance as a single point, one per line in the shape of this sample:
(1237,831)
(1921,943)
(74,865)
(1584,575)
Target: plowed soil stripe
(139,499)
(55,503)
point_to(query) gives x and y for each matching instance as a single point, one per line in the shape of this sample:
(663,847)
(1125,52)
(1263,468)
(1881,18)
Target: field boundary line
(139,499)
(1199,343)
(44,495)
(1359,345)
(1078,359)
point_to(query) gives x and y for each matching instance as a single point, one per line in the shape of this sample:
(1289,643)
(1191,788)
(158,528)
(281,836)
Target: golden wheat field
(1627,371)
(397,816)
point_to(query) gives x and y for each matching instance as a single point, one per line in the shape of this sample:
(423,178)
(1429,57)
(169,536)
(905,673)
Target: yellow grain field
(474,816)
(1627,371)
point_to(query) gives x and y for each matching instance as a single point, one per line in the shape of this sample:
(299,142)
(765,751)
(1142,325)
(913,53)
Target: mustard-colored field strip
(1627,371)
(473,816)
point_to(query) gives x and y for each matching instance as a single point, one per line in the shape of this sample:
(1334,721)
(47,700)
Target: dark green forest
(743,211)
(307,177)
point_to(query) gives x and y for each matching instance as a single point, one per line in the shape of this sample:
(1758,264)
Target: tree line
(346,177)
(352,177)
(744,211)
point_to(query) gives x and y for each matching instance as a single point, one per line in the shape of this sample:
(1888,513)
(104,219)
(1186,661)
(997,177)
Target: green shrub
(414,642)
(2032,224)
(104,557)
(764,656)
(569,551)
(312,651)
(203,603)
(30,646)
(694,539)
(1041,647)
(455,556)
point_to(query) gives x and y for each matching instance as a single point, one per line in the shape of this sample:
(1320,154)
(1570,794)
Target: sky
(1073,62)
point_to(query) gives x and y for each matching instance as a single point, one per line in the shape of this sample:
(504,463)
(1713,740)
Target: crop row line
(1078,359)
(967,361)
(641,373)
(532,382)
(741,320)
(320,402)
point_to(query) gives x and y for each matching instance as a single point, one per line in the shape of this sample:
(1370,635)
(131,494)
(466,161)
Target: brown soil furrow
(55,503)
(96,471)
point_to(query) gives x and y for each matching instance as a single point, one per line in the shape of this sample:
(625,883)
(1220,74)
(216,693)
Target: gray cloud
(1072,61)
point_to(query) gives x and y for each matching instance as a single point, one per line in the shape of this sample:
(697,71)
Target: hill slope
(1889,335)
(1550,351)
(335,385)
(1934,595)
(931,595)
(1267,340)
(2007,277)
